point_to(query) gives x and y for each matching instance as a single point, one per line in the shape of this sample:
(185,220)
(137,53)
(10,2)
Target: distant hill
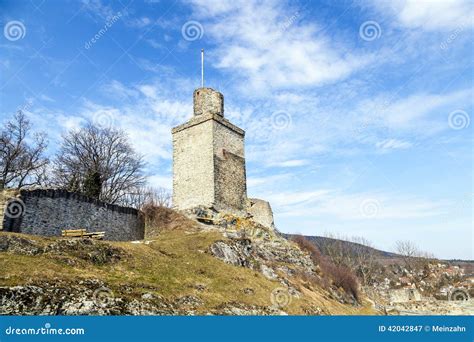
(320,241)
(384,256)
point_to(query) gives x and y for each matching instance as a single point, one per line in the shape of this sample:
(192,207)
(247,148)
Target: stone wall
(193,175)
(404,295)
(48,211)
(261,212)
(229,167)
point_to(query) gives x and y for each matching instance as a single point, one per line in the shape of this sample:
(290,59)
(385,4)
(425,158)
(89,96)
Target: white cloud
(343,207)
(429,15)
(254,182)
(149,91)
(272,46)
(96,8)
(296,199)
(393,144)
(119,91)
(159,181)
(147,121)
(291,163)
(139,22)
(423,112)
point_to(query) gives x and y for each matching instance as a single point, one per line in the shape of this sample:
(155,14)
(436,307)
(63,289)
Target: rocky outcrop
(86,298)
(69,249)
(94,298)
(253,245)
(237,252)
(20,245)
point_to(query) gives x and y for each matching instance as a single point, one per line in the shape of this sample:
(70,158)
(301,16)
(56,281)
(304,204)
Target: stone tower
(208,158)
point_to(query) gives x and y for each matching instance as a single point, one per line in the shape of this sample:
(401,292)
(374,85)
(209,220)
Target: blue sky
(357,114)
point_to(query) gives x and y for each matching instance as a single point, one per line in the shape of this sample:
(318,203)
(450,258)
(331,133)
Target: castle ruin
(208,158)
(209,162)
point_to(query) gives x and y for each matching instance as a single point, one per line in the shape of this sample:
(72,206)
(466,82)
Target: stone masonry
(208,158)
(48,211)
(209,162)
(261,212)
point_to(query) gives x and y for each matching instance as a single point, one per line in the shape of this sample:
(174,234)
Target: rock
(236,252)
(268,272)
(80,299)
(19,245)
(189,301)
(97,252)
(147,296)
(240,309)
(200,287)
(248,291)
(21,300)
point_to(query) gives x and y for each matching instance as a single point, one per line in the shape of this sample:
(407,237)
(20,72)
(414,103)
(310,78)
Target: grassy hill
(173,272)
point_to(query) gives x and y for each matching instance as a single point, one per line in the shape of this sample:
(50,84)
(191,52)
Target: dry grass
(159,219)
(174,264)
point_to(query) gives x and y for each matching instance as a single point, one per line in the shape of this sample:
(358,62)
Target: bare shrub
(159,219)
(355,253)
(309,247)
(148,196)
(340,275)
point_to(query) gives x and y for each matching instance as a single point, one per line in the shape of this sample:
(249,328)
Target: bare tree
(412,256)
(160,197)
(409,251)
(365,259)
(148,196)
(99,162)
(22,160)
(355,253)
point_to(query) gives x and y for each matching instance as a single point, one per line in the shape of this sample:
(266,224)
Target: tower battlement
(208,101)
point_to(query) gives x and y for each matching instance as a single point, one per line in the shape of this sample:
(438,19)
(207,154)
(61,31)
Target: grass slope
(172,265)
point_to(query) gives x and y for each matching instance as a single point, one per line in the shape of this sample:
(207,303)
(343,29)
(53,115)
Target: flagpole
(202,68)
